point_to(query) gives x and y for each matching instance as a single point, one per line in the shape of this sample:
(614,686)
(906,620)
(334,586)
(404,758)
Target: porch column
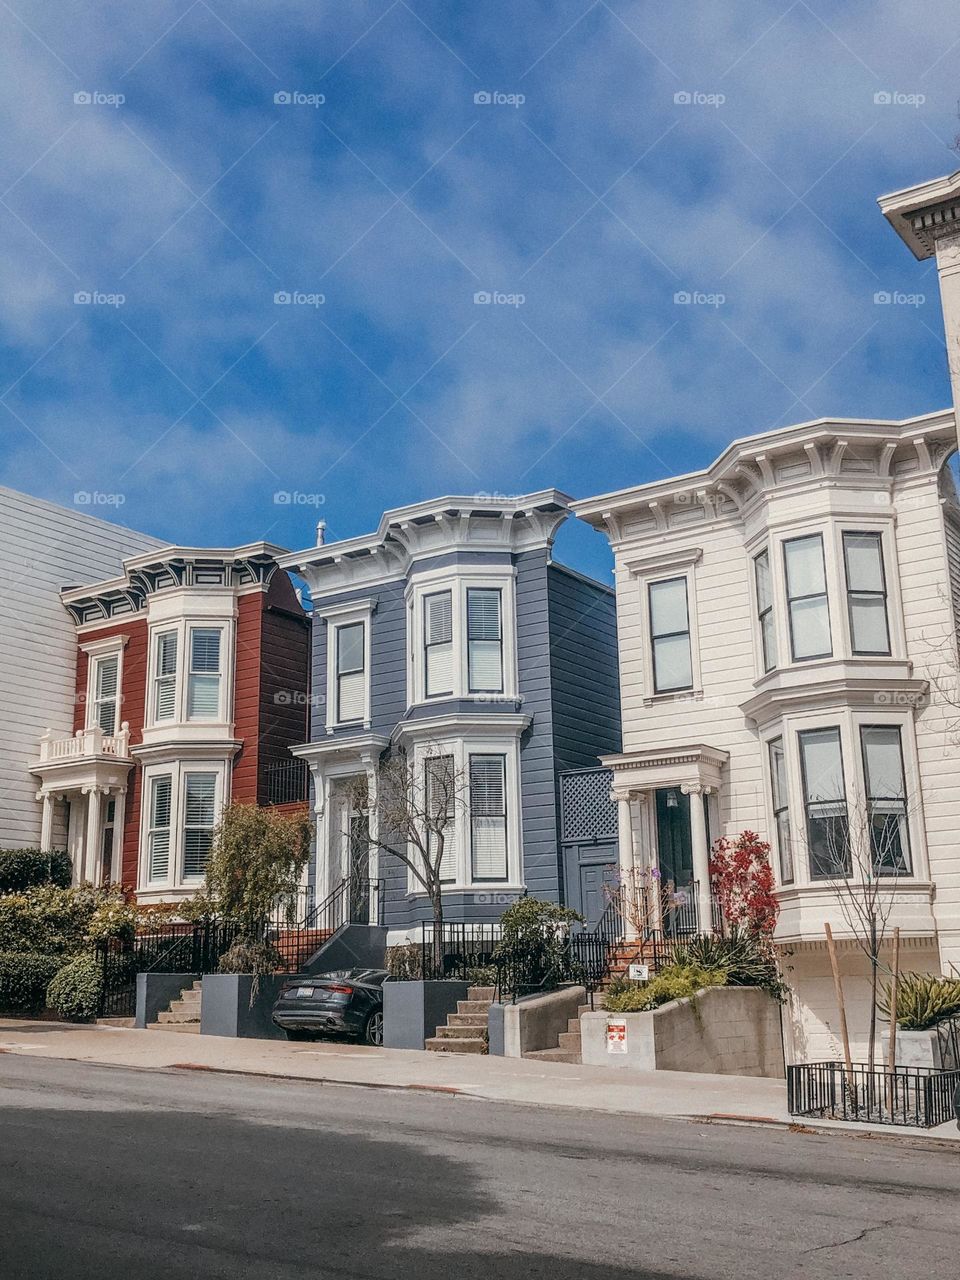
(91,841)
(373,852)
(116,853)
(321,808)
(625,856)
(701,853)
(46,822)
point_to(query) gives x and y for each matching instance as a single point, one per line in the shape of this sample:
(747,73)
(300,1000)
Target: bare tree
(861,853)
(411,806)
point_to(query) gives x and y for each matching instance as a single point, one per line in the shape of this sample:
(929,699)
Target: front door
(674,845)
(591,873)
(359,869)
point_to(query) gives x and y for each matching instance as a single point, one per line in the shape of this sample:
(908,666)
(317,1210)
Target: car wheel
(373,1031)
(299,1035)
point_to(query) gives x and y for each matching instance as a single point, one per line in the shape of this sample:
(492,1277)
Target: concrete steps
(568,1042)
(466,1030)
(183,1015)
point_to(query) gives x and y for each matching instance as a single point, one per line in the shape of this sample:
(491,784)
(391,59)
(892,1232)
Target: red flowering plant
(742,879)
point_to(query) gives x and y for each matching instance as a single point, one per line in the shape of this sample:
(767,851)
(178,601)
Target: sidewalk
(665,1094)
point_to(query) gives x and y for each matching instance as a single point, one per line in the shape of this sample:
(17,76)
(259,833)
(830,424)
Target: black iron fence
(287,782)
(456,950)
(916,1096)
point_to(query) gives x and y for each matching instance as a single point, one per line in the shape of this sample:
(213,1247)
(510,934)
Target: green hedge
(23,868)
(24,978)
(75,991)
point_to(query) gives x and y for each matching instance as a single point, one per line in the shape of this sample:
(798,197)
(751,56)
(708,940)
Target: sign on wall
(639,973)
(616,1037)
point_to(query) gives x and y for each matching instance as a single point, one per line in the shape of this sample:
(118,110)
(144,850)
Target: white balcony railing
(84,744)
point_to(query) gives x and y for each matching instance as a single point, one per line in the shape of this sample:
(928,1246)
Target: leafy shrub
(482,975)
(405,963)
(923,1000)
(675,982)
(747,960)
(48,919)
(23,868)
(114,917)
(533,941)
(246,956)
(24,978)
(76,990)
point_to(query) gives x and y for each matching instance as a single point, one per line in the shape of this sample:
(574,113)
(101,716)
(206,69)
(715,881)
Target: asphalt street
(110,1172)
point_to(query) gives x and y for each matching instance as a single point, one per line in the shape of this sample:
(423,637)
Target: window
(886,799)
(781,811)
(199,809)
(440,789)
(351,676)
(828,845)
(165,677)
(807,606)
(105,693)
(158,835)
(484,641)
(768,634)
(488,817)
(670,636)
(203,683)
(438,643)
(866,593)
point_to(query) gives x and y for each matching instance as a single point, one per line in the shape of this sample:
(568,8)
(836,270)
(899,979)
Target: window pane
(203,697)
(488,826)
(804,562)
(199,813)
(810,628)
(864,561)
(438,618)
(440,781)
(350,696)
(672,667)
(167,653)
(350,648)
(668,607)
(868,624)
(107,678)
(204,649)
(159,840)
(486,668)
(764,595)
(822,765)
(778,778)
(165,704)
(883,762)
(439,669)
(483,614)
(768,637)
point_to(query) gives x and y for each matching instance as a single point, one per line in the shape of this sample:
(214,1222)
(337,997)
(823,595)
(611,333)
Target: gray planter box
(920,1049)
(412,1011)
(225,1007)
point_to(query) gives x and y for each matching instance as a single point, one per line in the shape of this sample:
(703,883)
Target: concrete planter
(920,1049)
(533,1022)
(720,1031)
(412,1011)
(225,1006)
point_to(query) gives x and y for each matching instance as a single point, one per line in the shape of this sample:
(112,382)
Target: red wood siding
(284,677)
(246,697)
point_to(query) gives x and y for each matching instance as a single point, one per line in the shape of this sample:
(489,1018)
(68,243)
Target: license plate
(304,991)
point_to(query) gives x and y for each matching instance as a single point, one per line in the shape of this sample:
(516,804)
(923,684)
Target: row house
(450,631)
(787,634)
(189,670)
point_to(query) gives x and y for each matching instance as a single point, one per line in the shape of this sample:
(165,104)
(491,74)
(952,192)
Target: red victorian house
(191,683)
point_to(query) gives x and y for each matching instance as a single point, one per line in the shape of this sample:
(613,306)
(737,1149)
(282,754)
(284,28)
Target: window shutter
(203,687)
(159,864)
(166,675)
(439,610)
(198,822)
(485,654)
(205,650)
(106,694)
(483,615)
(438,641)
(488,822)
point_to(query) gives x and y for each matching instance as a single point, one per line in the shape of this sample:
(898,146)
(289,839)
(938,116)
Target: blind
(166,698)
(488,821)
(159,864)
(200,794)
(483,614)
(106,694)
(205,649)
(350,696)
(440,786)
(438,611)
(484,647)
(438,642)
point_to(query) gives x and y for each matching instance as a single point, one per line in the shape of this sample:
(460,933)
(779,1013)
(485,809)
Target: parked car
(347,1002)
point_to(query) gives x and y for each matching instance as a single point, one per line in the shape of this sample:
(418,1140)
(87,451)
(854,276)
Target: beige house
(787,623)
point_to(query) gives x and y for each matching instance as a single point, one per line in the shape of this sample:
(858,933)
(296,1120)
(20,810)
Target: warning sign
(638,972)
(616,1037)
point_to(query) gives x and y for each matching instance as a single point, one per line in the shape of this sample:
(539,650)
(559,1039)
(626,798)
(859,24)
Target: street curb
(447,1090)
(917,1140)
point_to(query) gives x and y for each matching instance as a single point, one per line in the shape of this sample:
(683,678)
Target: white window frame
(458,579)
(189,673)
(461,748)
(664,567)
(336,616)
(177,770)
(183,625)
(110,647)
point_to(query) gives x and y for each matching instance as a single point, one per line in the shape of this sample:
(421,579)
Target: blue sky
(192,404)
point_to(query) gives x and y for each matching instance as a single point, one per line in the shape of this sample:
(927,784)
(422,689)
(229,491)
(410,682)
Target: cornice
(925,213)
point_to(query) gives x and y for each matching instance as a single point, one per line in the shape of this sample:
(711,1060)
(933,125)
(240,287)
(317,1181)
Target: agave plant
(741,956)
(923,1000)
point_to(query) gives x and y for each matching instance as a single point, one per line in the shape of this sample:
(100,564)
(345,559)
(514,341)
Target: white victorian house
(787,629)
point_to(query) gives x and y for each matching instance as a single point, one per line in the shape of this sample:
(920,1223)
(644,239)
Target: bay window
(825,803)
(484,641)
(781,810)
(886,798)
(866,593)
(351,688)
(670,636)
(488,817)
(158,832)
(106,692)
(438,643)
(768,629)
(203,678)
(440,796)
(808,611)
